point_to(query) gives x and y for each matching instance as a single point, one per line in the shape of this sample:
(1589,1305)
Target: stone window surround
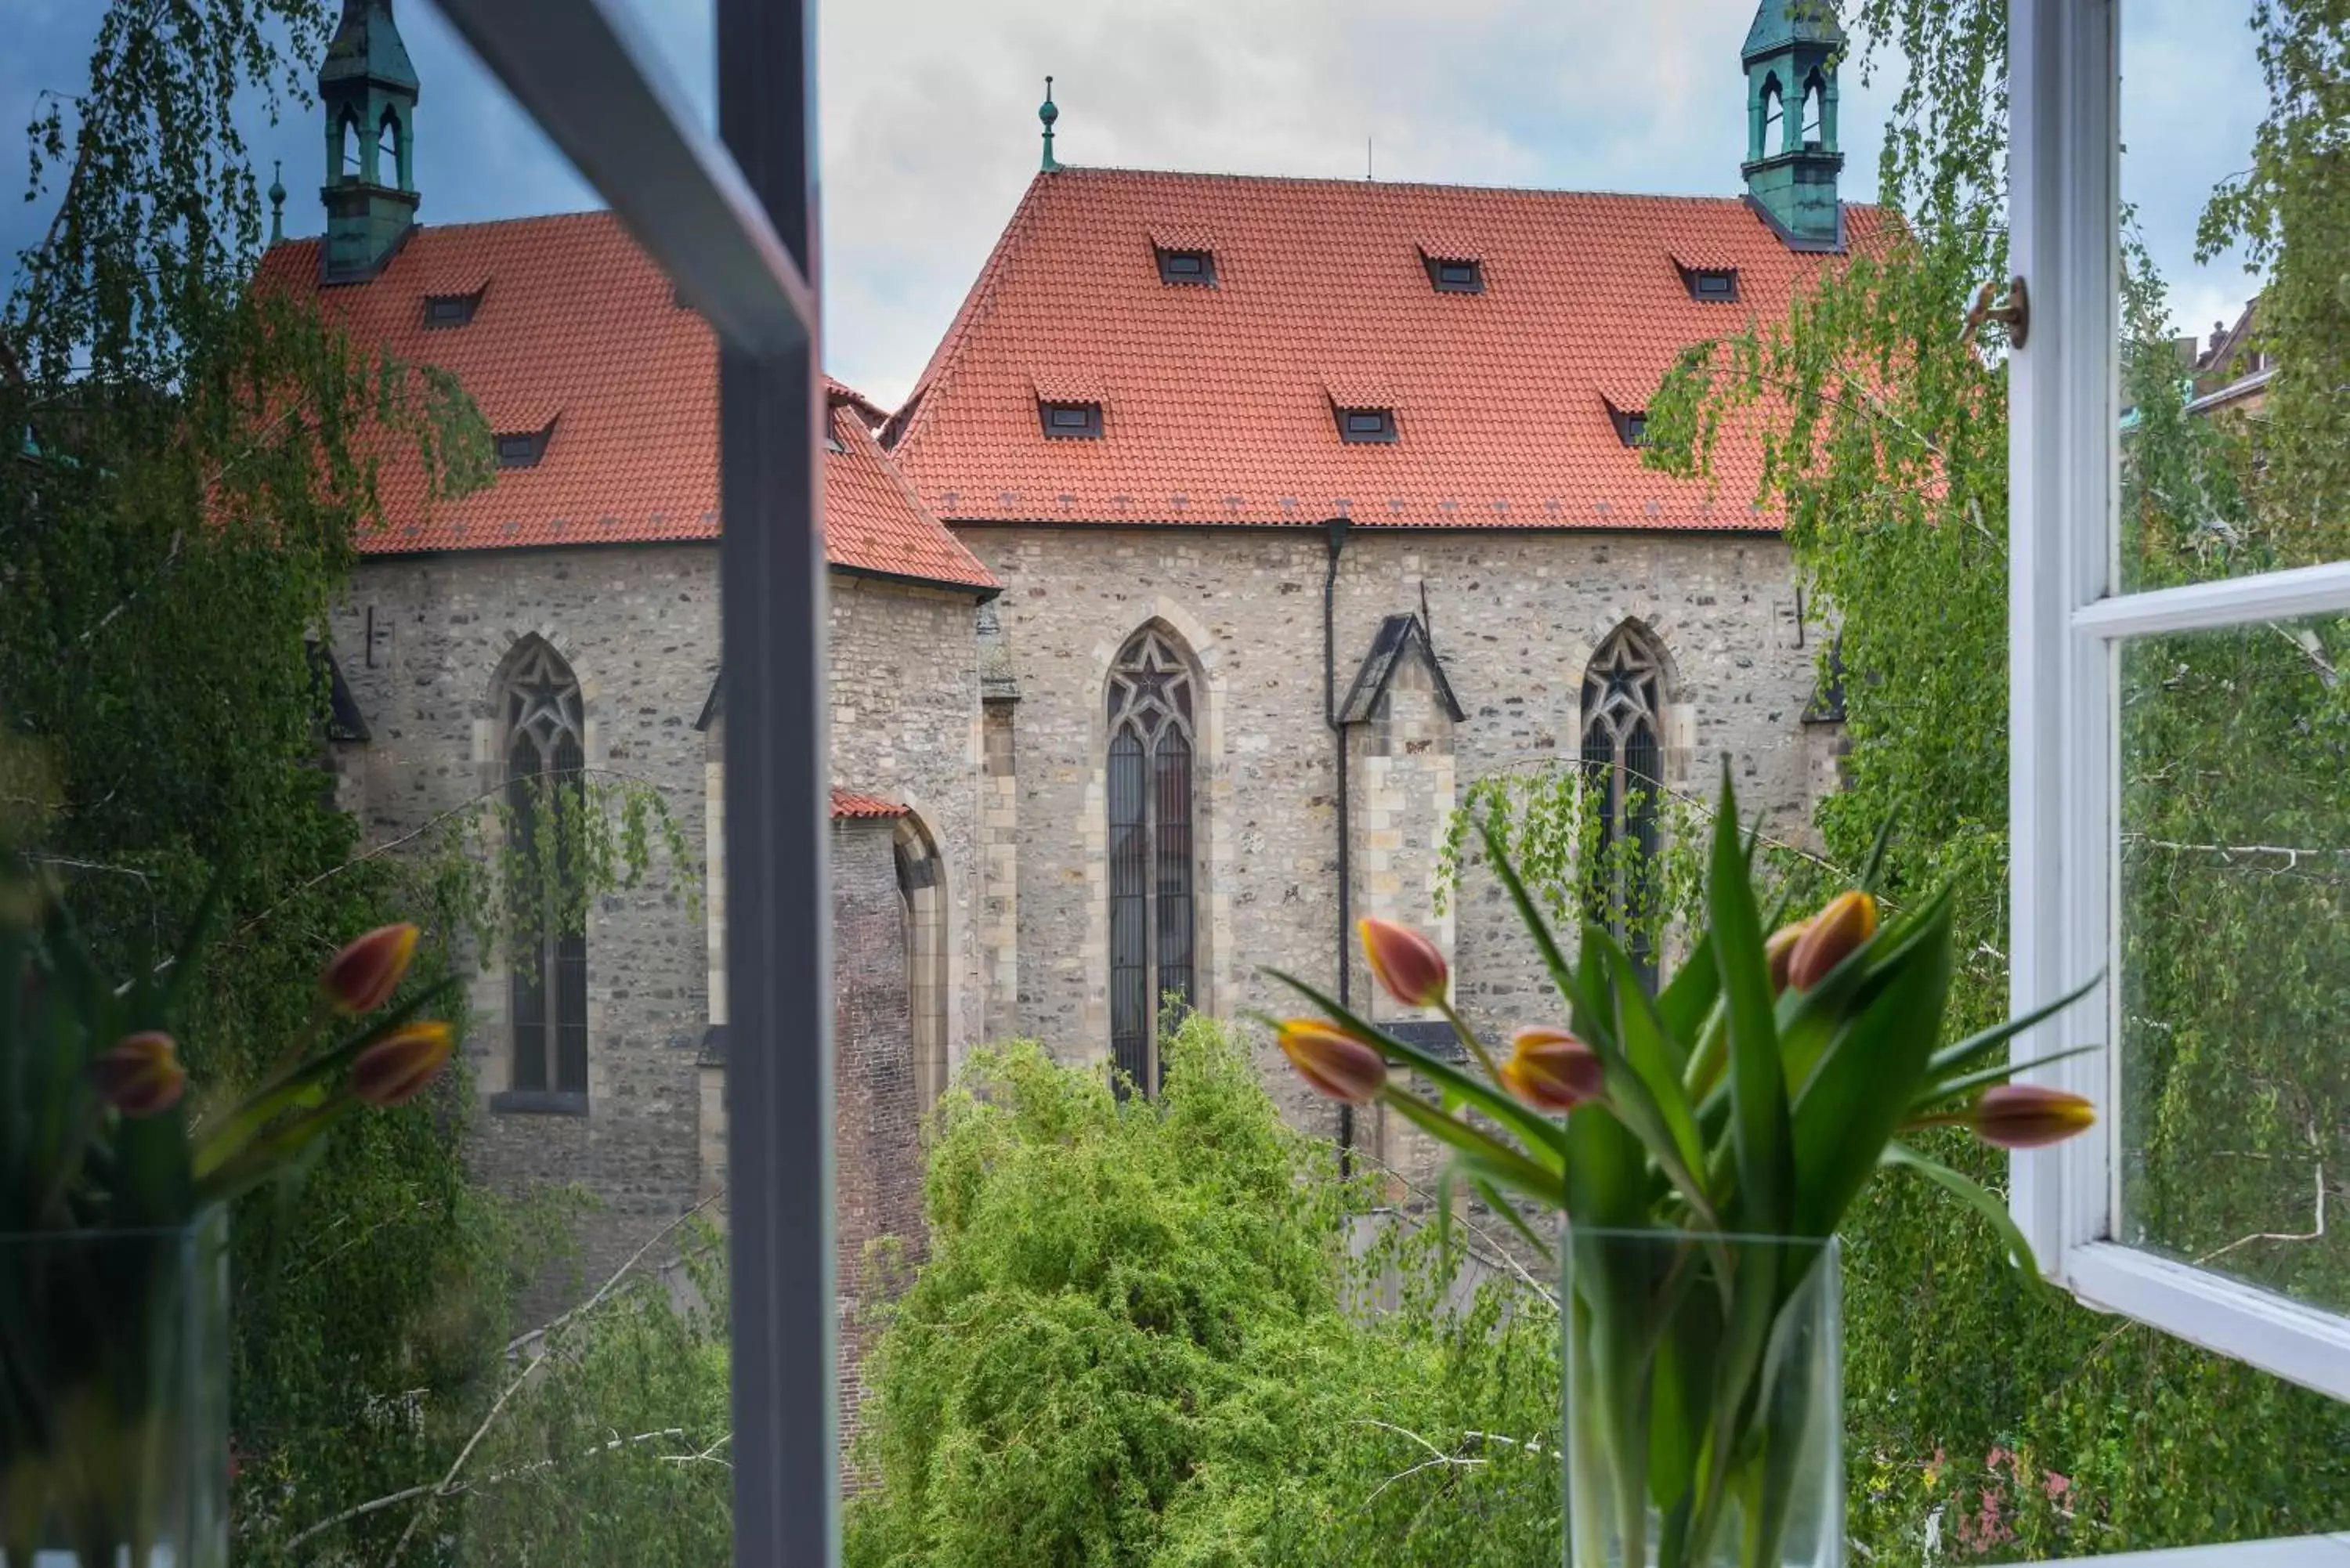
(487,994)
(1212,848)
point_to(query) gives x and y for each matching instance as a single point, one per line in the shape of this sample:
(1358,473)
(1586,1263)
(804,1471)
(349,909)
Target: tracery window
(1152,699)
(1623,715)
(545,753)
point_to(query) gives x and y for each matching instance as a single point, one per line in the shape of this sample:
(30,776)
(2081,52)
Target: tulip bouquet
(113,1190)
(1702,1144)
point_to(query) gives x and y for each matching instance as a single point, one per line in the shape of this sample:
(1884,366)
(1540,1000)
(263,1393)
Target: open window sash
(2069,625)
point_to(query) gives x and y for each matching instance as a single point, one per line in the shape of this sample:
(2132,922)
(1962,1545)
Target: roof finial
(276,201)
(1048,114)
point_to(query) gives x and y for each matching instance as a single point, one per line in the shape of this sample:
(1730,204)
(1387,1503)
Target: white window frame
(2064,626)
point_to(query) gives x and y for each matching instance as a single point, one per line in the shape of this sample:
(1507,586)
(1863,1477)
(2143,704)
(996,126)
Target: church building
(1235,528)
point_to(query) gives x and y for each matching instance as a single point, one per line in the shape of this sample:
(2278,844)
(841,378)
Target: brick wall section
(1514,618)
(640,627)
(876,1148)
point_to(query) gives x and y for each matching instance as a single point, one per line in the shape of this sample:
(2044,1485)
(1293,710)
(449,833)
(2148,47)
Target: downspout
(1338,526)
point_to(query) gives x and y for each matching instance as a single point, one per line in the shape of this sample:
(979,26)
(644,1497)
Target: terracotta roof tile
(1223,394)
(849,803)
(872,522)
(579,330)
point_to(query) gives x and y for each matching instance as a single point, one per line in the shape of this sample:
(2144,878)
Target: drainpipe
(1338,526)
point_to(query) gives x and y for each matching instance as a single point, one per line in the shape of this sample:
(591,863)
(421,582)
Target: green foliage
(614,1448)
(1133,1343)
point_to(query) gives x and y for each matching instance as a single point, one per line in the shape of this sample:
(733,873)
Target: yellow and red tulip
(362,977)
(1332,1063)
(1407,965)
(141,1073)
(400,1065)
(1830,937)
(1551,1070)
(1780,950)
(2028,1116)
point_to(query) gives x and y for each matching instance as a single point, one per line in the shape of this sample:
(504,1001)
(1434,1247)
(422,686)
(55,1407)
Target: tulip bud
(1336,1065)
(1779,950)
(2028,1116)
(1551,1070)
(1831,936)
(398,1066)
(141,1074)
(1405,963)
(362,977)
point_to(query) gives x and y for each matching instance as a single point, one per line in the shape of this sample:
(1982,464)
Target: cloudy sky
(930,130)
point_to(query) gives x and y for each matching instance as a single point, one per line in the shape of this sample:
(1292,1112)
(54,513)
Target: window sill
(2295,1552)
(552,1103)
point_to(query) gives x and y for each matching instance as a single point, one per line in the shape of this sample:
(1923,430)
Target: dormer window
(522,449)
(1365,425)
(1187,266)
(1071,421)
(1466,275)
(1713,285)
(1631,426)
(442,311)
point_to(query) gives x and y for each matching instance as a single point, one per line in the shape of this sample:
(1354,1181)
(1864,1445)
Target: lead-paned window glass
(1152,934)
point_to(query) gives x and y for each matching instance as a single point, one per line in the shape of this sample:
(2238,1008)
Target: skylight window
(442,311)
(1367,425)
(1456,276)
(1187,266)
(522,449)
(1713,285)
(1071,421)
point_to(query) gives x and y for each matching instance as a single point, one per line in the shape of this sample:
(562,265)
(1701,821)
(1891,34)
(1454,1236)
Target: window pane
(489,1323)
(1172,811)
(1130,861)
(2235,343)
(2235,952)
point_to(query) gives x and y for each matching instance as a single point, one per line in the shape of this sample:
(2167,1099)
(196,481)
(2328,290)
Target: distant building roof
(1218,402)
(570,332)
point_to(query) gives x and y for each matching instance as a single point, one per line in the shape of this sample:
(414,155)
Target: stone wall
(1514,618)
(420,642)
(906,726)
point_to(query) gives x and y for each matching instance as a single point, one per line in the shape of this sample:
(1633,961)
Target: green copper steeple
(1046,112)
(368,91)
(1792,162)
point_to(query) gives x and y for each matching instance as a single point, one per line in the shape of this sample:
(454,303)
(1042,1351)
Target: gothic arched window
(347,154)
(546,756)
(1623,759)
(1774,116)
(1152,717)
(1814,97)
(387,150)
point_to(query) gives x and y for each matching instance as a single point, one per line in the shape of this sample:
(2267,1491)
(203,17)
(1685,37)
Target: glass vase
(1704,1424)
(114,1399)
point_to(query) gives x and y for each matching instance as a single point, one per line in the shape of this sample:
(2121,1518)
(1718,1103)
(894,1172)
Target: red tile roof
(1217,403)
(849,803)
(579,330)
(872,522)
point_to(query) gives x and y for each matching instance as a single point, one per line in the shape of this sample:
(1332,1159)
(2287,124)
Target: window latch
(2014,311)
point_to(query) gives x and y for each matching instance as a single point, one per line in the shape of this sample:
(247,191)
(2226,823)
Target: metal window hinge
(2015,313)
